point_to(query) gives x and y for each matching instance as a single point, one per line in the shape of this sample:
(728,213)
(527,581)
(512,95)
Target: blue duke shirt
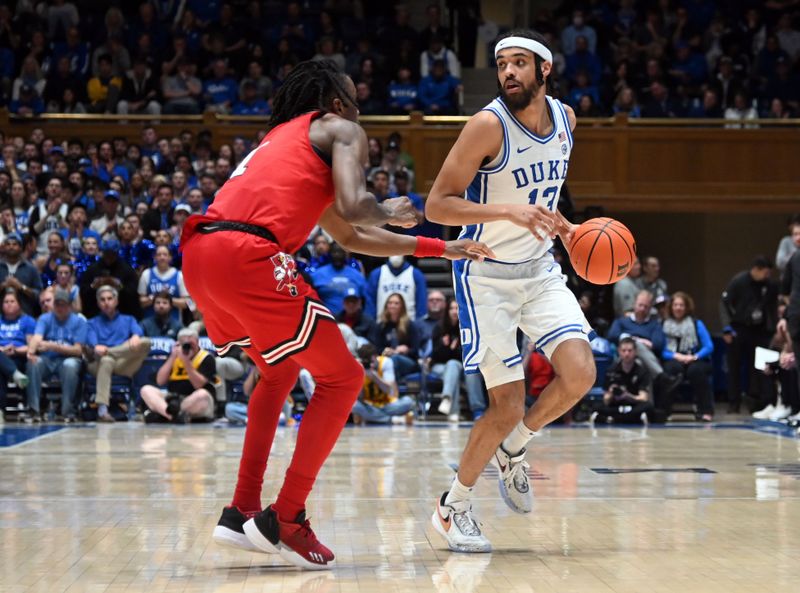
(15,332)
(73,330)
(112,331)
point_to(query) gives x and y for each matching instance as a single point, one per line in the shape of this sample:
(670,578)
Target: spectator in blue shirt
(437,91)
(689,67)
(221,91)
(16,328)
(583,59)
(250,103)
(645,329)
(162,323)
(333,280)
(116,347)
(56,348)
(578,28)
(104,167)
(403,92)
(28,103)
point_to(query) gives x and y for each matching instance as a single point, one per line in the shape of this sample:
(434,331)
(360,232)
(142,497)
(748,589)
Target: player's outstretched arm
(479,141)
(382,243)
(352,200)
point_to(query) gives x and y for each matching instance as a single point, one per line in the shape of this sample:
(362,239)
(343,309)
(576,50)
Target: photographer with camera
(627,399)
(378,401)
(190,378)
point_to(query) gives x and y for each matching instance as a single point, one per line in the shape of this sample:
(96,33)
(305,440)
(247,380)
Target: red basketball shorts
(251,295)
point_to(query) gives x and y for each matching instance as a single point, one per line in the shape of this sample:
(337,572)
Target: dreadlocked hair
(537,59)
(310,86)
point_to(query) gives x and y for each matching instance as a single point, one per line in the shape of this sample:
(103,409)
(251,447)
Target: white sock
(102,410)
(458,492)
(519,437)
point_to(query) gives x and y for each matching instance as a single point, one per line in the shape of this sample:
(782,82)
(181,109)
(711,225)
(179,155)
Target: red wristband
(429,247)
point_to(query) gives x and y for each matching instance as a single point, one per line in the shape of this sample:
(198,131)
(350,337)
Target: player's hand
(783,326)
(565,229)
(534,217)
(401,212)
(467,249)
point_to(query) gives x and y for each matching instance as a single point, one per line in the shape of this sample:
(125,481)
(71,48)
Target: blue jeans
(452,372)
(236,412)
(383,415)
(8,365)
(69,372)
(403,366)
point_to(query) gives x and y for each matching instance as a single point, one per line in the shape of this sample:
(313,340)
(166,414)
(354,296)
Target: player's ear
(338,106)
(546,69)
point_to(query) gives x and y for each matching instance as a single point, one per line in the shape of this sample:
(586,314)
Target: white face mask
(396,261)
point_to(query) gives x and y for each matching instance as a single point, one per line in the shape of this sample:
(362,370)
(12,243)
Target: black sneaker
(151,417)
(230,531)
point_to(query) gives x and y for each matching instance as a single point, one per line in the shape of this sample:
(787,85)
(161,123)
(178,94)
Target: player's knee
(581,376)
(509,411)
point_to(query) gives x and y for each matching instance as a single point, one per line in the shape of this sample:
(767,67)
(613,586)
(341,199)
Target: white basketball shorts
(494,299)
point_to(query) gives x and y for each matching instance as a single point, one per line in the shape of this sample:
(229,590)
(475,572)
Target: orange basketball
(602,251)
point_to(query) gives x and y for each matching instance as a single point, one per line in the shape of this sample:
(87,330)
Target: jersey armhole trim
(565,117)
(504,160)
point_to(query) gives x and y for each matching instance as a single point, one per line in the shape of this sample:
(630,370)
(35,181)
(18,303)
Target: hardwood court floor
(124,508)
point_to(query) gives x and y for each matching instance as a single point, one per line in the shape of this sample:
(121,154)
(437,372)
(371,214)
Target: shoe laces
(466,523)
(517,473)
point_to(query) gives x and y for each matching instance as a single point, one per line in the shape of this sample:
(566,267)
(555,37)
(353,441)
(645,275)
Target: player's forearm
(364,210)
(454,210)
(379,242)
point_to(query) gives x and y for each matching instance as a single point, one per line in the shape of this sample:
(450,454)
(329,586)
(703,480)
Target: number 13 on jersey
(550,194)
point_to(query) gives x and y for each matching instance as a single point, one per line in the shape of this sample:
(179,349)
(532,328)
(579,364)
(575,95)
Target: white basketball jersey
(529,170)
(402,284)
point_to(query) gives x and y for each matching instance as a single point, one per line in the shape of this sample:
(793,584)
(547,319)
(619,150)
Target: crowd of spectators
(659,58)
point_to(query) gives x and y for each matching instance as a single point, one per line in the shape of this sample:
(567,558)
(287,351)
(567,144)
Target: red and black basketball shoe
(229,530)
(294,540)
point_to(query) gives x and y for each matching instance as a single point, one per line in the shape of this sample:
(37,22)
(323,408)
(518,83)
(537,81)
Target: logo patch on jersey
(564,149)
(562,136)
(285,272)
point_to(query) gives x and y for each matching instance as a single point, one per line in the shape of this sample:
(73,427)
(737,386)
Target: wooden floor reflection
(114,509)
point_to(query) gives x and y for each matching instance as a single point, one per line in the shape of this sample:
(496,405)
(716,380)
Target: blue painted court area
(15,435)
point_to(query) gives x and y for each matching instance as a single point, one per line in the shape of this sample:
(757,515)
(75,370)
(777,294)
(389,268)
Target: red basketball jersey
(283,185)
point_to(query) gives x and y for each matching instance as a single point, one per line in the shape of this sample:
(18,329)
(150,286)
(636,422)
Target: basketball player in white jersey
(501,181)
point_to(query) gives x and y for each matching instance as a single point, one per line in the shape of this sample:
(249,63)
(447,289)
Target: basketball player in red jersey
(238,267)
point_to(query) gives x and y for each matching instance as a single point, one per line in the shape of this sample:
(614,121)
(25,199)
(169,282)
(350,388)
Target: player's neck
(536,116)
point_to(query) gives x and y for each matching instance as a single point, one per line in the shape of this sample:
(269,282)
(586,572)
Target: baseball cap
(661,299)
(13,237)
(110,245)
(112,193)
(352,292)
(393,145)
(183,208)
(61,294)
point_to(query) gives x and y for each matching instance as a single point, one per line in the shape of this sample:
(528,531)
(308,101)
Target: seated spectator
(393,165)
(689,67)
(48,215)
(16,329)
(741,110)
(587,107)
(353,316)
(77,229)
(434,315)
(112,271)
(56,348)
(162,323)
(438,52)
(327,50)
(65,278)
(709,108)
(138,253)
(139,92)
(438,90)
(788,245)
(29,103)
(578,28)
(651,280)
(189,375)
(397,276)
(255,75)
(162,278)
(160,214)
(378,401)
(628,396)
(56,253)
(220,91)
(397,336)
(182,91)
(367,103)
(660,104)
(687,355)
(106,226)
(333,280)
(46,299)
(403,93)
(104,88)
(249,103)
(626,103)
(30,82)
(446,362)
(25,278)
(645,329)
(236,410)
(115,347)
(88,255)
(583,60)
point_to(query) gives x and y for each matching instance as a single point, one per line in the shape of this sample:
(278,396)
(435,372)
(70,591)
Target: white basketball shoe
(458,526)
(513,480)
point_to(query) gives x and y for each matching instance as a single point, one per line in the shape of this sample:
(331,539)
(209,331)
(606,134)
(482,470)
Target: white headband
(525,43)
